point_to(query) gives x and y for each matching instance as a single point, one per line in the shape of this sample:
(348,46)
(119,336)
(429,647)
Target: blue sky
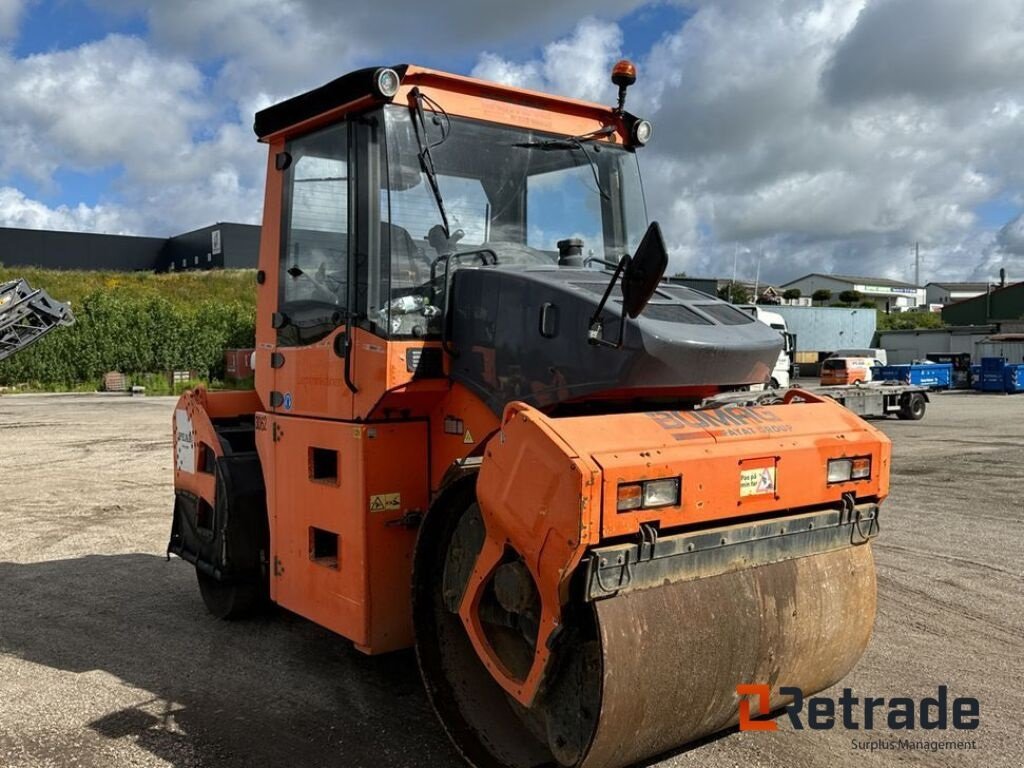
(794,129)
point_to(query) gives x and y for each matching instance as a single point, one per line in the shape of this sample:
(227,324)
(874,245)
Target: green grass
(182,289)
(141,324)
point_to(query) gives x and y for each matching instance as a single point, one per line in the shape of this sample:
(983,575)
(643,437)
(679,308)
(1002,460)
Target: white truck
(783,372)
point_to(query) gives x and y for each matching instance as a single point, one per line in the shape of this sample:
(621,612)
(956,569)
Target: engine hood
(520,333)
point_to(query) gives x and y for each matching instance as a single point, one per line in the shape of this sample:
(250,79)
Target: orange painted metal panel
(269,262)
(381,476)
(541,497)
(548,487)
(460,426)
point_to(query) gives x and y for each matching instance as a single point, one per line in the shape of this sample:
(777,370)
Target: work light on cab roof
(624,75)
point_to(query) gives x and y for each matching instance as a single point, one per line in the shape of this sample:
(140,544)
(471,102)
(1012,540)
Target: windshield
(506,203)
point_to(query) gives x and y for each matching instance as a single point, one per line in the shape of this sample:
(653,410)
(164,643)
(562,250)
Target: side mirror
(644,271)
(640,277)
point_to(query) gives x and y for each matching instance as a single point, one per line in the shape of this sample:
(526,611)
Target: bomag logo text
(722,421)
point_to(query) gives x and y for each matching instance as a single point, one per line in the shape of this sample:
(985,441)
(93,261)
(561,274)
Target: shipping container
(1013,377)
(931,375)
(993,374)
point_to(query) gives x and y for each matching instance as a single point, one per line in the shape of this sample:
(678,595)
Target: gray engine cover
(683,339)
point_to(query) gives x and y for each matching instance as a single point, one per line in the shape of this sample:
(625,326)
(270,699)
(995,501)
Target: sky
(791,136)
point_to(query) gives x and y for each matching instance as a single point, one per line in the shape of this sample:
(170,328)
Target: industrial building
(950,293)
(997,305)
(888,295)
(907,346)
(820,331)
(224,245)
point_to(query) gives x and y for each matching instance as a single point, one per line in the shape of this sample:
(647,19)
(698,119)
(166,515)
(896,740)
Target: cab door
(312,368)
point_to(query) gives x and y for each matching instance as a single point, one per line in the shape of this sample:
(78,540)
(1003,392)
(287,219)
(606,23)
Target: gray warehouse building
(826,329)
(225,245)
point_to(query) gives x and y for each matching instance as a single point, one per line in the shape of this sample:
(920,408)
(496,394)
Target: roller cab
(486,428)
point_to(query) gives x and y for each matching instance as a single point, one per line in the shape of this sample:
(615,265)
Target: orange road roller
(486,427)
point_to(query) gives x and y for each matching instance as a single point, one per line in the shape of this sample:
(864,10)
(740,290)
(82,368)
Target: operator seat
(409,265)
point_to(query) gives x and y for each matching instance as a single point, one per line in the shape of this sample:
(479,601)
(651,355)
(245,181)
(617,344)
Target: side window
(315,242)
(561,204)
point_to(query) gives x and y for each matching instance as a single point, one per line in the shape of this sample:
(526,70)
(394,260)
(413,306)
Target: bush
(791,293)
(131,324)
(902,321)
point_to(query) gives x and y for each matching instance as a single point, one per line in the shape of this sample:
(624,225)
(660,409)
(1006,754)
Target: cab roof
(357,89)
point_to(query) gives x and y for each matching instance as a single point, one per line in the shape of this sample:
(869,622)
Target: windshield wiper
(419,125)
(569,142)
(574,143)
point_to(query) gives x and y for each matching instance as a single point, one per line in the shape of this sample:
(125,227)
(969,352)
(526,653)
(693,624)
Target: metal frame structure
(26,315)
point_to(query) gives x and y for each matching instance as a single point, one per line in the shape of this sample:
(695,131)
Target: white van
(875,354)
(839,371)
(783,371)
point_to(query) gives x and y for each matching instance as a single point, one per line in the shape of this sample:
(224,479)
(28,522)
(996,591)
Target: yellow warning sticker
(467,438)
(385,502)
(757,481)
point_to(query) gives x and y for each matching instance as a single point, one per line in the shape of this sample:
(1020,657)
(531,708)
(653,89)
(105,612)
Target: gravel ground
(107,657)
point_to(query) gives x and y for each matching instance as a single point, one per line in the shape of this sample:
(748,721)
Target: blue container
(892,372)
(1013,377)
(931,375)
(993,374)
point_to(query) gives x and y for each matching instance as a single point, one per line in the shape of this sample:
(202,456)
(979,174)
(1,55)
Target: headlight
(844,470)
(861,468)
(387,82)
(642,131)
(649,494)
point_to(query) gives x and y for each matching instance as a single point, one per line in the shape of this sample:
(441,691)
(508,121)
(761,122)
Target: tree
(849,297)
(791,293)
(679,275)
(822,295)
(737,294)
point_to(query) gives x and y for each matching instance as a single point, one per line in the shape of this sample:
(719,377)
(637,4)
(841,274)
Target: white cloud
(825,134)
(11,12)
(276,48)
(577,65)
(118,104)
(16,210)
(929,49)
(108,102)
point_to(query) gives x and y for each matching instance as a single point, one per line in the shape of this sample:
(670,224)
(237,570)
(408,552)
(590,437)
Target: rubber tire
(773,383)
(914,408)
(230,601)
